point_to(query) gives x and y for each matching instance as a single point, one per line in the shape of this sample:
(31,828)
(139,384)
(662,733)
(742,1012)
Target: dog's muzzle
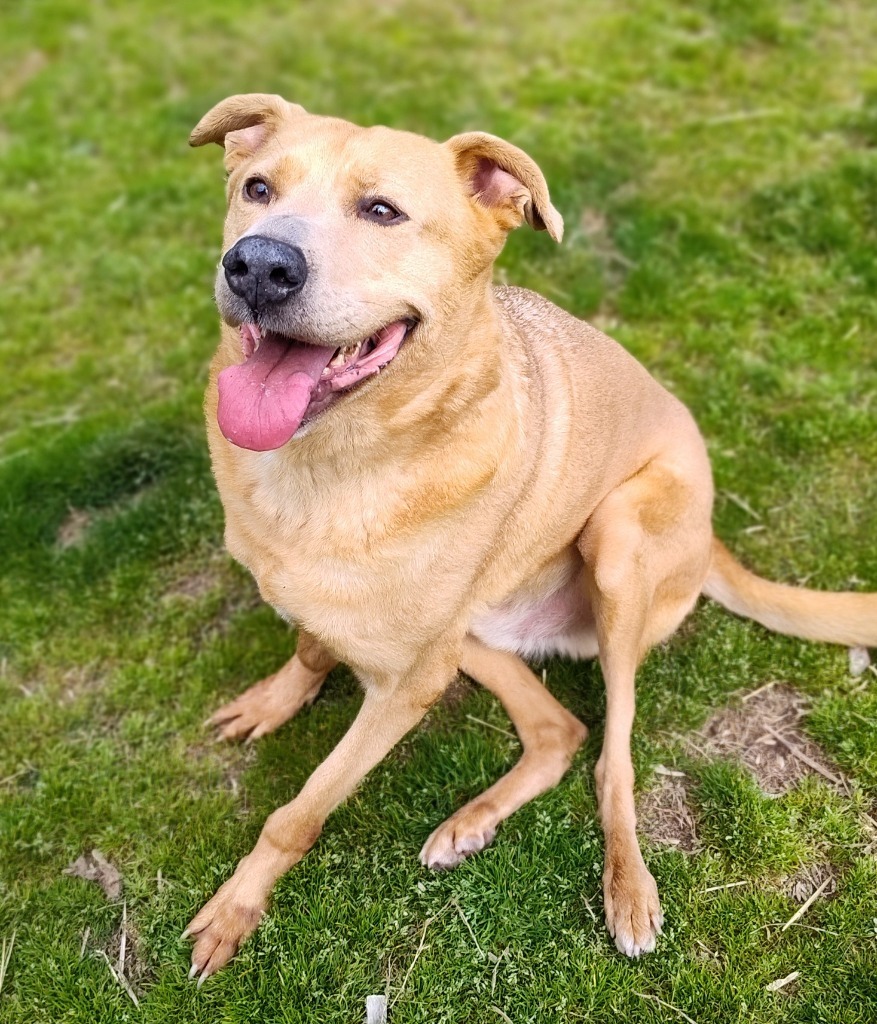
(264,272)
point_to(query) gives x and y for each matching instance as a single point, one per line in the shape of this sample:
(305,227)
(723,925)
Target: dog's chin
(284,383)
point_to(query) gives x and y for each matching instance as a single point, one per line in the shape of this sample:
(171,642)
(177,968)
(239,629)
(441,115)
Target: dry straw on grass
(764,733)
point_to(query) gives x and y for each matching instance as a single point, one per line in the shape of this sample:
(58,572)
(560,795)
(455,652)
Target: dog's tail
(845,618)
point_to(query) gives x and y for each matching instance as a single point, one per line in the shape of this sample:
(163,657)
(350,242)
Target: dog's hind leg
(265,706)
(646,551)
(549,734)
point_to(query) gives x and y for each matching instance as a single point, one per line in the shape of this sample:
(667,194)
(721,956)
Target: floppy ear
(242,124)
(504,179)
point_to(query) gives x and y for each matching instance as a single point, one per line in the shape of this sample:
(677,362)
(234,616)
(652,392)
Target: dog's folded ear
(506,181)
(243,123)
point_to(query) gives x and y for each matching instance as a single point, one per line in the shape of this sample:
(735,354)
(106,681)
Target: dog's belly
(535,623)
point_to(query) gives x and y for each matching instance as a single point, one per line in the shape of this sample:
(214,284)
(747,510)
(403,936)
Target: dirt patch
(123,957)
(457,692)
(451,702)
(764,733)
(72,531)
(136,969)
(594,226)
(16,78)
(77,681)
(229,762)
(238,596)
(664,814)
(66,686)
(193,586)
(801,886)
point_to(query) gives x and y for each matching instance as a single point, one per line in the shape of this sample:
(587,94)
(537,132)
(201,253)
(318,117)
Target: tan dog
(512,484)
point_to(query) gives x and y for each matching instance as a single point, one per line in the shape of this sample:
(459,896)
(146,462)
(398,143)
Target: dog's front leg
(266,705)
(392,706)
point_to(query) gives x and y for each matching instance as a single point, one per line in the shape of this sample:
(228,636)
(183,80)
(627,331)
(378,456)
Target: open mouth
(283,382)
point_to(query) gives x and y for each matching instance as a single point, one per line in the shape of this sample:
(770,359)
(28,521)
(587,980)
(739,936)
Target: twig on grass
(465,921)
(426,925)
(5,957)
(868,822)
(120,978)
(799,924)
(815,765)
(502,1014)
(669,1006)
(741,504)
(775,986)
(744,115)
(802,910)
(761,689)
(495,728)
(14,775)
(123,938)
(727,885)
(85,935)
(497,961)
(680,738)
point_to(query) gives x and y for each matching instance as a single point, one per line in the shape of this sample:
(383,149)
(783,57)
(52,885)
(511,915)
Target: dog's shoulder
(529,310)
(540,322)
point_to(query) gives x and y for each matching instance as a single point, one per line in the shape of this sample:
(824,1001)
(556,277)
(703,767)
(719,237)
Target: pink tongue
(263,400)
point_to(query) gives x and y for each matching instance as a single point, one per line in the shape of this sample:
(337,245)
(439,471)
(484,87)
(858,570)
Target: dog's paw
(464,833)
(260,710)
(633,910)
(221,926)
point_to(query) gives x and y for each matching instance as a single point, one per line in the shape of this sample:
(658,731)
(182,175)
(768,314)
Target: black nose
(264,271)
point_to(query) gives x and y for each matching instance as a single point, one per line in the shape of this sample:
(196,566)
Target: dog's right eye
(257,190)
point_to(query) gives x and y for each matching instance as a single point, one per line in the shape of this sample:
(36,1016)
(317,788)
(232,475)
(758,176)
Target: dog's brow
(364,184)
(287,171)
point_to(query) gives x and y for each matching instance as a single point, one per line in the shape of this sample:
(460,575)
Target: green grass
(715,164)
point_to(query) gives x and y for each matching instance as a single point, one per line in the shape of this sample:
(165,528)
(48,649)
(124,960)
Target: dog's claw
(222,925)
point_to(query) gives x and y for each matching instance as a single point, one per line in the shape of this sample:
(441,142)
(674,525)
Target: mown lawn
(715,164)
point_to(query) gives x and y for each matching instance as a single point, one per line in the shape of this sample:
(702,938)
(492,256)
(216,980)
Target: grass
(714,162)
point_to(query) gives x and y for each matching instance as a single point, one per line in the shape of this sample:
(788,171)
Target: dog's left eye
(380,211)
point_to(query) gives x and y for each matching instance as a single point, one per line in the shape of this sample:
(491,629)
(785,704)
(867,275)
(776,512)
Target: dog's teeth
(345,355)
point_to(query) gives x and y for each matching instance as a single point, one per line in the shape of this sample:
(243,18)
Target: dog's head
(344,244)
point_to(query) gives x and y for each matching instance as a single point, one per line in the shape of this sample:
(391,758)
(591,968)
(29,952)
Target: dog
(426,473)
